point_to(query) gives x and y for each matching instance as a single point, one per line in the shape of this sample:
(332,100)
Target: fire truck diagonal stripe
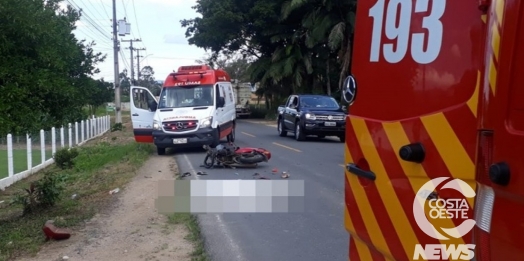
(416,173)
(357,225)
(366,212)
(399,181)
(378,208)
(360,250)
(385,189)
(464,126)
(495,26)
(474,99)
(449,147)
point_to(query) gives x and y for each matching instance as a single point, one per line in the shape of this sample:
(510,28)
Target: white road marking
(235,249)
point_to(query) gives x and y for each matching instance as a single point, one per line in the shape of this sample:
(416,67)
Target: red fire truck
(436,91)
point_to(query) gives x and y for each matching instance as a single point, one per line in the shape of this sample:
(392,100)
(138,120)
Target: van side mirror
(221,102)
(153,105)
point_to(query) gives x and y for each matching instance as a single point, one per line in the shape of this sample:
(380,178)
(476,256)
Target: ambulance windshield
(186,96)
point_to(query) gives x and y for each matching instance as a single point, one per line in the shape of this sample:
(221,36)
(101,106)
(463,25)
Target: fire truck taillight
(485,196)
(483,213)
(484,156)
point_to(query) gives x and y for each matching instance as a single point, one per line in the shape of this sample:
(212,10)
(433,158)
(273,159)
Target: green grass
(195,236)
(98,169)
(191,222)
(20,160)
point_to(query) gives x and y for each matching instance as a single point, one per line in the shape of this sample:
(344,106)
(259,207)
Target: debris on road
(114,191)
(53,232)
(256,174)
(201,173)
(65,258)
(185,174)
(275,170)
(263,177)
(148,177)
(284,175)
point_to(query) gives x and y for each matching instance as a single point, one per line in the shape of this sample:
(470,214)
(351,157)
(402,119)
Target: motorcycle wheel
(209,161)
(251,160)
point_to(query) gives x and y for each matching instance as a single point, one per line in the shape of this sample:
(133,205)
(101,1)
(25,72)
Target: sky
(155,22)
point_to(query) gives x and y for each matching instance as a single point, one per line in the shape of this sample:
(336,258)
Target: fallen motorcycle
(230,155)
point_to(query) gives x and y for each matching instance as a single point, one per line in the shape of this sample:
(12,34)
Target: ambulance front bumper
(197,138)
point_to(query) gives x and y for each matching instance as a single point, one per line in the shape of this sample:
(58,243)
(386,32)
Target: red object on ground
(275,170)
(53,232)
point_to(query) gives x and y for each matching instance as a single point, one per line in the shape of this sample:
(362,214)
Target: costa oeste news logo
(453,208)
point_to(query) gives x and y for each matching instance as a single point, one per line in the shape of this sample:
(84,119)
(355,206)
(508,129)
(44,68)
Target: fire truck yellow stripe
(362,249)
(449,147)
(474,99)
(492,75)
(414,172)
(495,40)
(499,9)
(366,211)
(385,189)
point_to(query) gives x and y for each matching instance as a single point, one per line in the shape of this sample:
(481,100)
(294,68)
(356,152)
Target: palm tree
(333,20)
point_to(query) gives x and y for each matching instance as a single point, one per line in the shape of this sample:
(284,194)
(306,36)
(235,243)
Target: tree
(147,79)
(296,45)
(97,93)
(44,67)
(235,65)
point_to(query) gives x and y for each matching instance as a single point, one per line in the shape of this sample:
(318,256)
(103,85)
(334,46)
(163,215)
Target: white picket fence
(81,131)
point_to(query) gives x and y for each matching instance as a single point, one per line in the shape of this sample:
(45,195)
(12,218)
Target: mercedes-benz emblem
(330,117)
(180,125)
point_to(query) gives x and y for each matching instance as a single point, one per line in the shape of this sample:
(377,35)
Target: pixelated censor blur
(230,196)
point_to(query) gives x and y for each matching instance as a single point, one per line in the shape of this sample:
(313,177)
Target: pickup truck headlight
(310,116)
(206,122)
(156,125)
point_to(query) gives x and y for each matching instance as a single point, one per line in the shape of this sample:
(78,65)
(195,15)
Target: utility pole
(138,60)
(117,74)
(131,51)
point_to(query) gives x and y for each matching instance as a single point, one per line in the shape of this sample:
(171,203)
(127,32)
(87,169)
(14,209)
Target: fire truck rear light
(484,156)
(484,207)
(483,211)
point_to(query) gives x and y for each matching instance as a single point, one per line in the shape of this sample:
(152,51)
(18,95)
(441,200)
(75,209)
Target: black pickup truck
(309,114)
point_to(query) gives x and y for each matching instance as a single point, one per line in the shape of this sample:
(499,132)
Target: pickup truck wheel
(281,131)
(160,151)
(299,135)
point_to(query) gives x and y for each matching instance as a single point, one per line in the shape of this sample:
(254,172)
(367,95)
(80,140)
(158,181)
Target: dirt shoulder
(104,226)
(131,229)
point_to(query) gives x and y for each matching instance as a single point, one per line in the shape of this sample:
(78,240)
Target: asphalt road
(315,234)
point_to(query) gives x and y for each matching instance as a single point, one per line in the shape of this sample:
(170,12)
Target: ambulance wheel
(231,136)
(342,138)
(216,139)
(160,151)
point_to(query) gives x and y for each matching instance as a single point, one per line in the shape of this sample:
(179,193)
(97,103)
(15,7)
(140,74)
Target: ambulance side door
(143,108)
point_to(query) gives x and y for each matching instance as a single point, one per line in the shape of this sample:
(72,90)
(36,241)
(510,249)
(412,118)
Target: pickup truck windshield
(318,102)
(186,96)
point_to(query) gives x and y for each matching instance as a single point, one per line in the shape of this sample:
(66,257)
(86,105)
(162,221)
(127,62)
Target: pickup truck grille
(178,126)
(330,117)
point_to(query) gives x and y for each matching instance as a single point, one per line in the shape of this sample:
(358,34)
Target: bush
(42,193)
(117,127)
(257,112)
(64,157)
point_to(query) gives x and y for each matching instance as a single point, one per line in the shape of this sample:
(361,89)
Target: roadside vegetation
(70,192)
(291,46)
